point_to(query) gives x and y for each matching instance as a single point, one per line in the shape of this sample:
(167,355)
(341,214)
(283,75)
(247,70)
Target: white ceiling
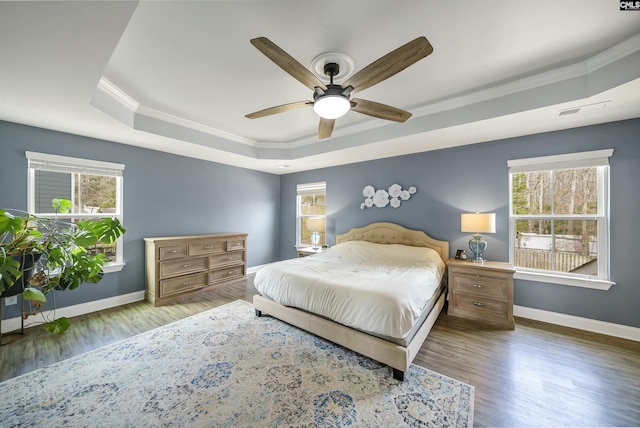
(179,76)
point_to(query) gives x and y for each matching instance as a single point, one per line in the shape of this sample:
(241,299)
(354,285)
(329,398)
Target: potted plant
(41,255)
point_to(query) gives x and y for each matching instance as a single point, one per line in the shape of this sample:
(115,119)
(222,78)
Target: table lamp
(315,224)
(477,223)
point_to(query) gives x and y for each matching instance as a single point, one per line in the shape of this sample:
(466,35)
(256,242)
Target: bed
(378,292)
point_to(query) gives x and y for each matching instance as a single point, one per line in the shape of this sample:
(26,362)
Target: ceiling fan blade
(278,109)
(326,127)
(378,110)
(390,64)
(287,63)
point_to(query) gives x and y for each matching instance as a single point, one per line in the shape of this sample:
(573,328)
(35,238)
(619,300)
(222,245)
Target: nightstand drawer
(496,287)
(481,291)
(478,306)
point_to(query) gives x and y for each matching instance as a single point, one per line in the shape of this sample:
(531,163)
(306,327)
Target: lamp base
(477,247)
(315,240)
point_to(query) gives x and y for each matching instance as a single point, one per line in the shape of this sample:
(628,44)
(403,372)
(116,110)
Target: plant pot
(27,266)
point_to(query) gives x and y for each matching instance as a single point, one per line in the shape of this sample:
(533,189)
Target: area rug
(227,367)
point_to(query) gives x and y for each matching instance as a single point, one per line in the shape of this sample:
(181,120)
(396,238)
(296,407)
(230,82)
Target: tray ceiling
(179,76)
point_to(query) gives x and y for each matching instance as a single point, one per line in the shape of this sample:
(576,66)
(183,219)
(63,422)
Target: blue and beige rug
(226,367)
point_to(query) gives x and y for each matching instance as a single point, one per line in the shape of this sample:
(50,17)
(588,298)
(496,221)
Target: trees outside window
(93,187)
(559,215)
(311,204)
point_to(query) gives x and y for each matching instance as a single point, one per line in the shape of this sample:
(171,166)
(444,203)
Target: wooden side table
(309,251)
(482,291)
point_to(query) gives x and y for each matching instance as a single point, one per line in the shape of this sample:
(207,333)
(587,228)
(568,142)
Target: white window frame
(67,164)
(597,158)
(308,189)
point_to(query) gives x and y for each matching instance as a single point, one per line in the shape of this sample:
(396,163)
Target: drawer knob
(186,266)
(477,286)
(173,251)
(207,247)
(478,304)
(186,283)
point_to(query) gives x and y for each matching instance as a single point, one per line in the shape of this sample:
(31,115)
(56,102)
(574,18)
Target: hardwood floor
(537,375)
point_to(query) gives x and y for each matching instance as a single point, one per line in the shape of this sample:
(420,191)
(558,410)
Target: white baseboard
(13,324)
(594,326)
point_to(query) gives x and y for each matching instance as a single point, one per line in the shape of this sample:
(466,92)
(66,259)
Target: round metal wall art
(381,197)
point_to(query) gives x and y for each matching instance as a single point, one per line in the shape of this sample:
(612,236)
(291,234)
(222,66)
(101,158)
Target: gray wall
(475,178)
(163,195)
(167,195)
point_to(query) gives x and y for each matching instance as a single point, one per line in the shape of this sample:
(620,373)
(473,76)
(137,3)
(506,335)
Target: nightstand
(309,251)
(482,291)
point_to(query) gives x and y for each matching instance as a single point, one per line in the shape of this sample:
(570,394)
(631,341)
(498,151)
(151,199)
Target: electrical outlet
(11,300)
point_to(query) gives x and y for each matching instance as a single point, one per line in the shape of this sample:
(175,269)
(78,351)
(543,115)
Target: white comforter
(377,288)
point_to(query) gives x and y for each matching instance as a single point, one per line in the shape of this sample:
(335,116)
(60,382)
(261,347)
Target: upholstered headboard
(391,233)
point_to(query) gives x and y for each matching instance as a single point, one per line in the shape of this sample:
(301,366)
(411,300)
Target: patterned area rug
(226,367)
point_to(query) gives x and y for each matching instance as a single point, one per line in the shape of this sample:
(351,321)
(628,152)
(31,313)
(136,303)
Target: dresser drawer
(183,266)
(206,247)
(183,283)
(234,257)
(235,244)
(493,287)
(173,252)
(220,275)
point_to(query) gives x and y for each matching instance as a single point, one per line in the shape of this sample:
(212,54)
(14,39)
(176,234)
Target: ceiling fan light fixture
(331,106)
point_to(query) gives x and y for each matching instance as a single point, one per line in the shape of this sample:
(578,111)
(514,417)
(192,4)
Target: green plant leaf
(61,205)
(9,272)
(56,256)
(10,223)
(105,230)
(58,326)
(33,294)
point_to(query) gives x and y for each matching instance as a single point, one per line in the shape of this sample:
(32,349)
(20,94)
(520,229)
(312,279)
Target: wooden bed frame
(398,357)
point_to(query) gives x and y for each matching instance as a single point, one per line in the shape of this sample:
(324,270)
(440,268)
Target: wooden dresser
(482,291)
(178,265)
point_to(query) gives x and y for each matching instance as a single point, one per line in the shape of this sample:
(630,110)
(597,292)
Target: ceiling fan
(333,101)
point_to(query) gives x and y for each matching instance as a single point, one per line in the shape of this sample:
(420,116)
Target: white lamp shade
(478,223)
(315,223)
(331,106)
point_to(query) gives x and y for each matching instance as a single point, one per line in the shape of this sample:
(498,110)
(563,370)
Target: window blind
(311,188)
(48,162)
(566,161)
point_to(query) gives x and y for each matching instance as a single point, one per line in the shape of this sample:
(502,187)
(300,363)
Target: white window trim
(307,189)
(79,165)
(597,158)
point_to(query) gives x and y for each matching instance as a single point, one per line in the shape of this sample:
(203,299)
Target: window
(311,213)
(559,218)
(93,187)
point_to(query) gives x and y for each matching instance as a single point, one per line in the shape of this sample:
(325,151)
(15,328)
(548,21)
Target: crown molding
(187,124)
